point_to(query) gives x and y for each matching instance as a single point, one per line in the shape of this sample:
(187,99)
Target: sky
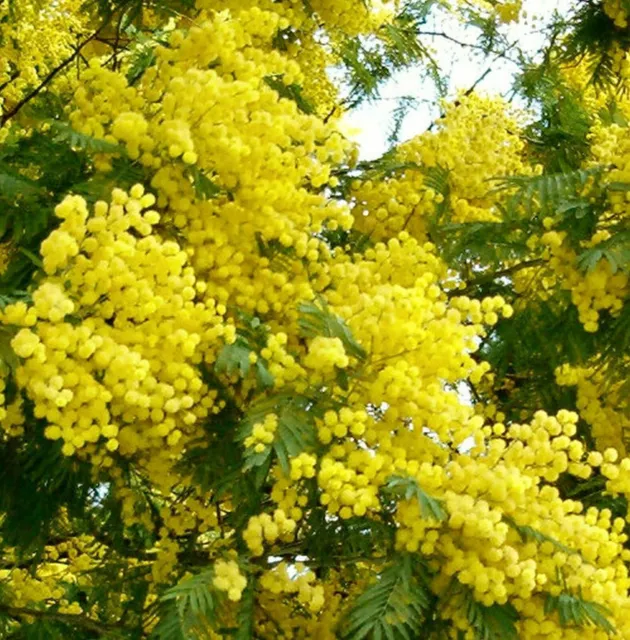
(461,65)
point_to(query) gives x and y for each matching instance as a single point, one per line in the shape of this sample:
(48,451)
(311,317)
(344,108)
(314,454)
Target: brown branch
(14,75)
(117,40)
(47,80)
(442,34)
(111,42)
(497,274)
(102,628)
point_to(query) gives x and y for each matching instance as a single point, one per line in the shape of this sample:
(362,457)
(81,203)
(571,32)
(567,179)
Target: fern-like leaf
(290,92)
(319,321)
(205,189)
(537,195)
(616,250)
(246,613)
(189,609)
(529,534)
(394,606)
(408,488)
(295,432)
(63,132)
(496,622)
(575,611)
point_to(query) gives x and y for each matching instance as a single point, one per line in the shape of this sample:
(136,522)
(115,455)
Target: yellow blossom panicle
(240,403)
(227,577)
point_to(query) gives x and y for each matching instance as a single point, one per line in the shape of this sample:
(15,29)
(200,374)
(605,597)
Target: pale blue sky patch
(462,67)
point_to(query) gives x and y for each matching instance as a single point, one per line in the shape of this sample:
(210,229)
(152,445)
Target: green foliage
(251,338)
(538,196)
(36,481)
(63,132)
(394,606)
(278,255)
(336,542)
(616,250)
(369,62)
(573,611)
(479,249)
(142,61)
(525,365)
(319,321)
(408,488)
(235,358)
(592,35)
(295,432)
(557,139)
(291,92)
(405,105)
(189,608)
(496,622)
(246,613)
(205,189)
(529,534)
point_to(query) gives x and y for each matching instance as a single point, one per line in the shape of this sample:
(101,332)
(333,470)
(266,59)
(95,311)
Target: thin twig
(441,34)
(497,274)
(47,80)
(101,628)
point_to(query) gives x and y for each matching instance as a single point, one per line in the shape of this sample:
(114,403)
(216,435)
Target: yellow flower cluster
(475,141)
(125,319)
(279,581)
(165,562)
(263,433)
(485,551)
(122,373)
(248,137)
(282,365)
(33,589)
(354,17)
(289,592)
(303,466)
(506,10)
(325,354)
(339,425)
(228,577)
(601,289)
(350,489)
(266,528)
(6,252)
(602,404)
(286,491)
(509,11)
(66,566)
(617,11)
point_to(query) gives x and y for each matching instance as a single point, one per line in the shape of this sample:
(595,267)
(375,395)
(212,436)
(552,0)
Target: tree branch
(497,274)
(14,75)
(442,34)
(101,628)
(47,80)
